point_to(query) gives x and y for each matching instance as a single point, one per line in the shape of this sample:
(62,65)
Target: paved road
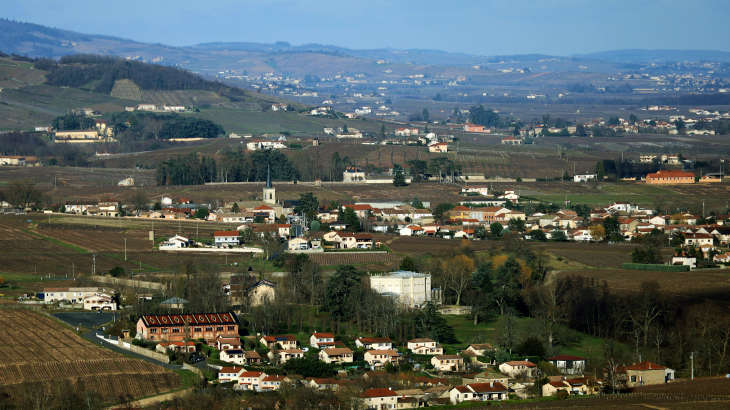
(86,319)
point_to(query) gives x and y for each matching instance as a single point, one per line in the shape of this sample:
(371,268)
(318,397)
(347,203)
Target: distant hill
(648,56)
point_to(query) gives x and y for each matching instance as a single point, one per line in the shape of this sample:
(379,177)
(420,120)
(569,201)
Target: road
(85,319)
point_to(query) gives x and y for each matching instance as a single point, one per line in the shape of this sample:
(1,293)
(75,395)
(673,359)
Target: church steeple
(269,190)
(268,176)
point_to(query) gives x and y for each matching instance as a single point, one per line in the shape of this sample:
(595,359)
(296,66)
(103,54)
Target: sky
(481,27)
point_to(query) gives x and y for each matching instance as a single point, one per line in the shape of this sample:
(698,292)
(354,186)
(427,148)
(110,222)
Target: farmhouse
(511,141)
(188,347)
(12,160)
(73,295)
(380,358)
(516,367)
(380,399)
(176,328)
(100,301)
(374,343)
(438,147)
(425,346)
(225,238)
(230,374)
(646,373)
(322,340)
(353,174)
(670,177)
(283,355)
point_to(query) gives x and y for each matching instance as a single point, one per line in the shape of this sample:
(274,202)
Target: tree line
(80,69)
(234,166)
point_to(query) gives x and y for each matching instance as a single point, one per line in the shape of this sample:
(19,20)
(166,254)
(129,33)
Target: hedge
(662,268)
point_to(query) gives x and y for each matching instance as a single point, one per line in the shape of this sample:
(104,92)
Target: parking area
(85,319)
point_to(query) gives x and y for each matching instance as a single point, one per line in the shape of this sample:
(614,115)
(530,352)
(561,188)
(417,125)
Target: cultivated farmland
(34,348)
(126,89)
(345,258)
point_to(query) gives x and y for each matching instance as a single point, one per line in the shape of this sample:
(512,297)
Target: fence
(661,268)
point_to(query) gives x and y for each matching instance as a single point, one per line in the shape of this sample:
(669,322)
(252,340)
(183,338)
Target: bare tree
(549,308)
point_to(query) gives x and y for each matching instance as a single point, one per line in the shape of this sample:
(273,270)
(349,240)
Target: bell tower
(269,190)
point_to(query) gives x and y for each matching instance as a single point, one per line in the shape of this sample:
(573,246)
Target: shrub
(562,394)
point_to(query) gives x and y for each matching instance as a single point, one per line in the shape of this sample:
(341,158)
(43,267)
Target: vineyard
(420,245)
(34,348)
(490,166)
(185,98)
(126,90)
(597,256)
(346,258)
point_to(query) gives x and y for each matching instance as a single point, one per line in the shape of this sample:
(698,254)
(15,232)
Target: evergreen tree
(341,284)
(399,179)
(425,115)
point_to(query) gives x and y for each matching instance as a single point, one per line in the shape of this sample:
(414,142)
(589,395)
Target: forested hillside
(82,69)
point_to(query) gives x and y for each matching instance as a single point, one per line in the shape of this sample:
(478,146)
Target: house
(354,240)
(469,127)
(336,355)
(457,394)
(697,239)
(374,343)
(411,230)
(252,357)
(283,341)
(73,295)
(646,373)
(377,399)
(226,238)
(488,376)
(584,178)
(518,367)
(12,160)
(569,364)
(647,158)
(99,302)
(722,258)
(263,290)
(250,380)
(175,242)
(223,342)
(230,374)
(235,356)
(188,347)
(425,346)
(273,382)
(480,349)
(207,326)
(279,107)
(447,362)
(353,174)
(511,141)
(282,356)
(684,258)
(438,147)
(552,388)
(489,391)
(481,190)
(670,177)
(322,383)
(322,340)
(411,289)
(265,212)
(379,358)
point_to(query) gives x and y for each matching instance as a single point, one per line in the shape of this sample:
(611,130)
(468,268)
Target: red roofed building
(286,341)
(569,364)
(670,177)
(251,380)
(225,238)
(322,340)
(176,328)
(438,147)
(380,399)
(646,373)
(270,383)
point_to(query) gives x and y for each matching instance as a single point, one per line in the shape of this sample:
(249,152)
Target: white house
(230,374)
(337,355)
(322,340)
(425,346)
(447,362)
(378,358)
(235,356)
(569,364)
(225,238)
(584,178)
(409,288)
(176,242)
(99,301)
(285,355)
(411,230)
(516,367)
(481,190)
(374,343)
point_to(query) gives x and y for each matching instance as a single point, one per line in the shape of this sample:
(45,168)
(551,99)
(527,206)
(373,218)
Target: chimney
(491,384)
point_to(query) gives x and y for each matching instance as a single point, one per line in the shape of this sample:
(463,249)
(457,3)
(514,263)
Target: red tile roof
(645,365)
(379,393)
(227,233)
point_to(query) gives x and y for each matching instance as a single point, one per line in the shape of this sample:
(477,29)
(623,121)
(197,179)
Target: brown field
(51,352)
(420,245)
(595,255)
(719,386)
(692,286)
(353,257)
(630,401)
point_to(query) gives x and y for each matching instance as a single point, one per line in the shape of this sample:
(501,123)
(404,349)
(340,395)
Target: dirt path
(156,399)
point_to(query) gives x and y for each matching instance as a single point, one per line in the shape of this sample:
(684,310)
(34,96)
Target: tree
(382,130)
(399,179)
(340,285)
(22,194)
(307,203)
(201,213)
(537,235)
(600,171)
(307,367)
(508,332)
(598,233)
(495,229)
(430,323)
(235,208)
(418,168)
(612,228)
(117,271)
(157,206)
(458,271)
(482,277)
(426,115)
(516,225)
(349,216)
(139,200)
(506,288)
(344,129)
(441,212)
(408,264)
(566,177)
(558,235)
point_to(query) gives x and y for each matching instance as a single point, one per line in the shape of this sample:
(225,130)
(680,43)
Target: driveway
(86,319)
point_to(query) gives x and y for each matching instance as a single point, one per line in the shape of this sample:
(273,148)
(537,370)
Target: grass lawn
(586,346)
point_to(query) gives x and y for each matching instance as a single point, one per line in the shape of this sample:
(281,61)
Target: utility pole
(94,271)
(125,249)
(692,361)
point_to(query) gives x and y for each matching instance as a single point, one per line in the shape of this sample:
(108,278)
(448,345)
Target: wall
(129,282)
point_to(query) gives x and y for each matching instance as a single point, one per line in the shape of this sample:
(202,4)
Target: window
(232,328)
(209,329)
(175,330)
(633,379)
(165,330)
(219,328)
(197,329)
(153,330)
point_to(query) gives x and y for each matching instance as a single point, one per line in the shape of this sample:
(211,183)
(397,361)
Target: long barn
(176,328)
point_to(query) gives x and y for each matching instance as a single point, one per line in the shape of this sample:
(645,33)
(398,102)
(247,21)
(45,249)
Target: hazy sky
(484,27)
